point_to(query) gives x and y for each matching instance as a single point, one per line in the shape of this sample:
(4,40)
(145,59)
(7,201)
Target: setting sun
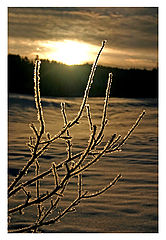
(68,52)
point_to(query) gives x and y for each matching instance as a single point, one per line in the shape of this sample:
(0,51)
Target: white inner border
(4,4)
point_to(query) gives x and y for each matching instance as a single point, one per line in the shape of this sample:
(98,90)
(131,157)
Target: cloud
(124,28)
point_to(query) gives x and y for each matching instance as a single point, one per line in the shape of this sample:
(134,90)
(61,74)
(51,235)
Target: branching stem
(82,160)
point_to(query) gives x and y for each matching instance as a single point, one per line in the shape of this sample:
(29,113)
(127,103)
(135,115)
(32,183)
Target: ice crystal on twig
(75,164)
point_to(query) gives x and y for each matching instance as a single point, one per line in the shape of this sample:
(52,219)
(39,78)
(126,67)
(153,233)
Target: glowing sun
(69,52)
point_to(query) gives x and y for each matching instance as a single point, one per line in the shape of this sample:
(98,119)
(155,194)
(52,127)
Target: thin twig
(88,87)
(89,116)
(105,188)
(68,141)
(38,146)
(38,189)
(104,121)
(55,174)
(86,152)
(130,131)
(87,165)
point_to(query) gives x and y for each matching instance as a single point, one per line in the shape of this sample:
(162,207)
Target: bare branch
(104,189)
(79,185)
(38,146)
(38,188)
(89,116)
(55,174)
(101,153)
(104,121)
(37,96)
(88,87)
(130,131)
(86,152)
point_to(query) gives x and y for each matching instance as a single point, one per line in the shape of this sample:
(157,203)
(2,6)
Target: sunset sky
(73,35)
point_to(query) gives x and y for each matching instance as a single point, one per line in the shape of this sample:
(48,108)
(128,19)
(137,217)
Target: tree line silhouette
(60,80)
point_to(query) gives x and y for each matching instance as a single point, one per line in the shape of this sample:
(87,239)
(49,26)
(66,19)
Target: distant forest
(60,80)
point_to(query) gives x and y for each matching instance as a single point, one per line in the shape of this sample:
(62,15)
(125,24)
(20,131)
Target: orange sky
(74,35)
